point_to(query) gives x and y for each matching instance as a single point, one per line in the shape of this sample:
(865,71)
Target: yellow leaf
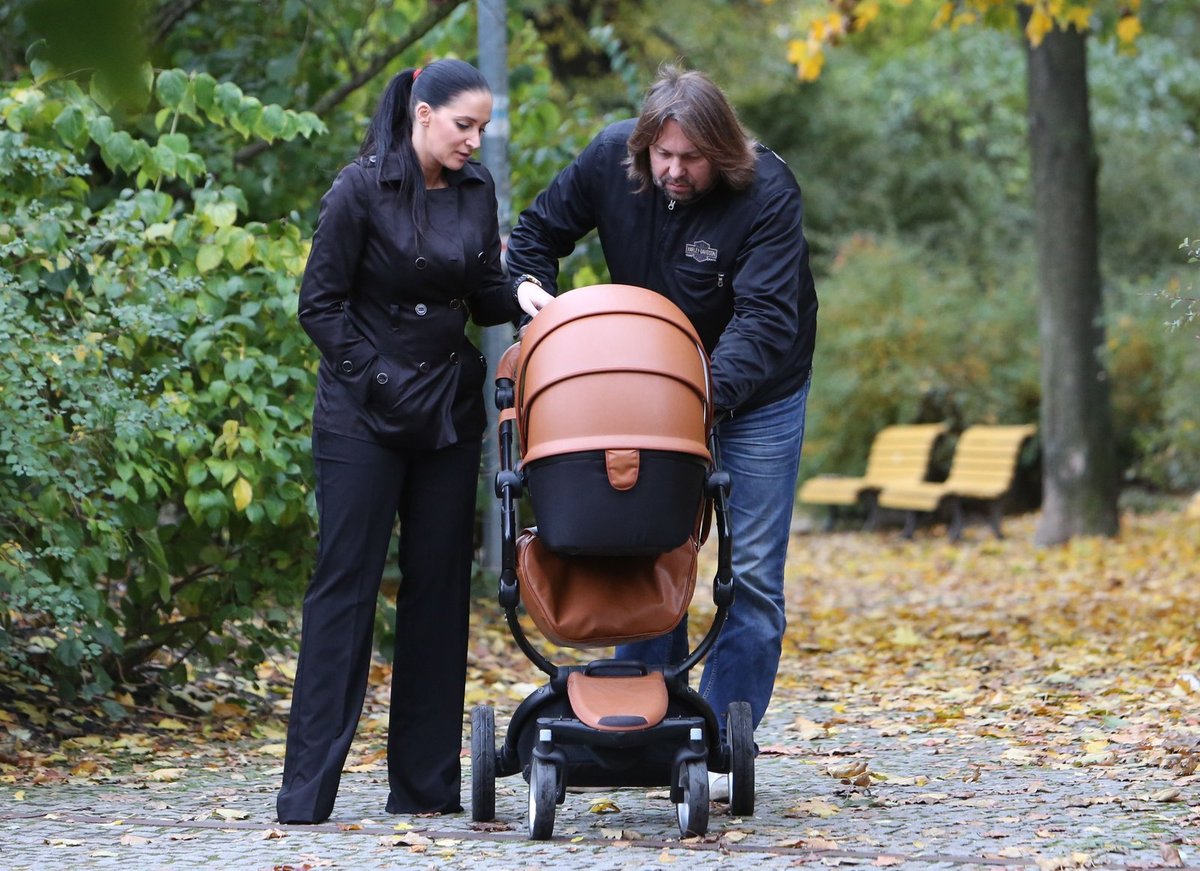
(810,70)
(171,724)
(1080,17)
(866,12)
(815,807)
(1040,23)
(1128,29)
(243,494)
(904,636)
(604,806)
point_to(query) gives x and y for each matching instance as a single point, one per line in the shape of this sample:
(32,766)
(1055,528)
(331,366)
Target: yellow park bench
(982,470)
(1193,508)
(898,455)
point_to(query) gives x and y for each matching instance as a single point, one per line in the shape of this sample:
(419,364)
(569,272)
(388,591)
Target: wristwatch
(525,276)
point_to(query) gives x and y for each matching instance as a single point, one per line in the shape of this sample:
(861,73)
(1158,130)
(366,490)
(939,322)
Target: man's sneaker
(718,786)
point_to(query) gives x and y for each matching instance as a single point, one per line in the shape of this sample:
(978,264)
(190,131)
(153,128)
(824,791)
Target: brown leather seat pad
(618,703)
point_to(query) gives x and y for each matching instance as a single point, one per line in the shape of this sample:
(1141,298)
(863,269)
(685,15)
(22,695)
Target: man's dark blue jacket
(736,262)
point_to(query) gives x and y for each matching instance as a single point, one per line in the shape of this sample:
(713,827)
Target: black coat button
(423,366)
(381,378)
(456,303)
(481,257)
(454,357)
(347,366)
(420,262)
(421,309)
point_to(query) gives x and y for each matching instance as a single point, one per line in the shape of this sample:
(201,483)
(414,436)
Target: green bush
(906,338)
(901,339)
(156,387)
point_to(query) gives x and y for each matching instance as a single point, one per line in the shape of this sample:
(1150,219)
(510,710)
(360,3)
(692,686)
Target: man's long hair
(706,118)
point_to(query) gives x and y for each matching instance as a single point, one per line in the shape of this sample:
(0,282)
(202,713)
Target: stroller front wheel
(692,812)
(483,764)
(543,797)
(739,732)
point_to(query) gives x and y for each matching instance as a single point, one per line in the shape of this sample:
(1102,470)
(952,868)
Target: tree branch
(438,11)
(168,16)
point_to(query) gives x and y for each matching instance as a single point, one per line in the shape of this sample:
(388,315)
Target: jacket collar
(391,171)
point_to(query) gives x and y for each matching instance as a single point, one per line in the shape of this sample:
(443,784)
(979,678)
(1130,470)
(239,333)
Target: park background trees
(158,194)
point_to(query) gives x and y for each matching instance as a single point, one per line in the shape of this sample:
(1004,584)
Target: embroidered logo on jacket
(700,251)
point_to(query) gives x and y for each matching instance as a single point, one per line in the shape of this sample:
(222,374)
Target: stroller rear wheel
(692,812)
(543,796)
(483,764)
(739,732)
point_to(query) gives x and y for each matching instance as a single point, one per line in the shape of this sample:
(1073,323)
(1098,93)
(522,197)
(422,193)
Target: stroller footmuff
(607,400)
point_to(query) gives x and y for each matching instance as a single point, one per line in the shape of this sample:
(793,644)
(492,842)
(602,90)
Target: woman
(407,247)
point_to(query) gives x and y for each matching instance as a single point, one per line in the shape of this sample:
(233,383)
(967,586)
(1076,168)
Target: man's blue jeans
(761,452)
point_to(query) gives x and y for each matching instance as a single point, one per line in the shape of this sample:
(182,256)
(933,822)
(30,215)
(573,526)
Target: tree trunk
(1079,458)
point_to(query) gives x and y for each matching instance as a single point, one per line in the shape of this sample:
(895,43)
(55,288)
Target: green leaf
(222,213)
(118,151)
(171,88)
(272,123)
(240,248)
(100,129)
(205,89)
(209,257)
(177,142)
(72,127)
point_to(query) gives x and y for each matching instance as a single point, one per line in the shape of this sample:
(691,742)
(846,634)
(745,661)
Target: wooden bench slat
(899,453)
(983,468)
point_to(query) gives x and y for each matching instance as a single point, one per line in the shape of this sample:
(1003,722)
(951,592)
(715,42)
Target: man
(686,204)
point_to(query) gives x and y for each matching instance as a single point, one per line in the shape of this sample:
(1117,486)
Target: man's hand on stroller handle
(530,295)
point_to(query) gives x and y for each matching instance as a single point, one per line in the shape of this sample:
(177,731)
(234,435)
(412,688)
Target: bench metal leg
(995,513)
(831,518)
(871,501)
(910,524)
(956,520)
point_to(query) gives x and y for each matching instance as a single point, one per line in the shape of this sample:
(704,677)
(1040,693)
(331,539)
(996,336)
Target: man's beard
(687,192)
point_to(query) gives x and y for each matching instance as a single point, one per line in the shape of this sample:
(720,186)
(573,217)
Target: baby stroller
(608,399)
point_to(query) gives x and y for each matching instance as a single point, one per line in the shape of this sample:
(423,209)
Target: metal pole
(493,63)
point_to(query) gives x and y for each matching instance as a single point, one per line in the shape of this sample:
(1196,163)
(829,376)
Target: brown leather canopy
(610,370)
(612,367)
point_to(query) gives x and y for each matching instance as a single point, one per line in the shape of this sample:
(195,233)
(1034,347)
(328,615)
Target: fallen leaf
(1170,856)
(814,807)
(166,775)
(229,813)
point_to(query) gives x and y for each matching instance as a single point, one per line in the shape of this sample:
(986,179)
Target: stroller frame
(552,748)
